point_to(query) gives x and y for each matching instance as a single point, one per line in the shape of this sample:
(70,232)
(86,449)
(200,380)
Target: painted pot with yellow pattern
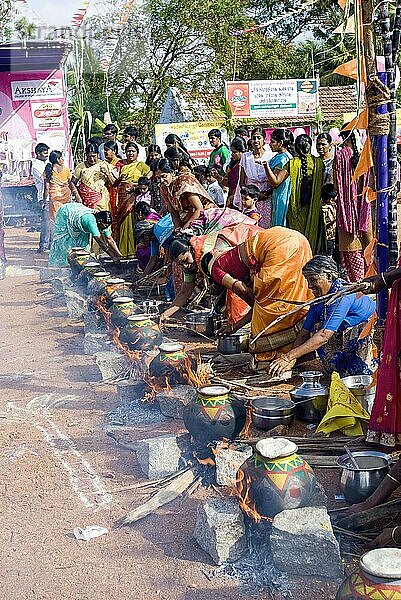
(141,333)
(214,414)
(378,577)
(122,307)
(276,481)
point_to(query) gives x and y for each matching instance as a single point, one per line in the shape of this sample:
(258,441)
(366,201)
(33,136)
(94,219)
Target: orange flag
(342,3)
(370,193)
(365,160)
(358,122)
(347,69)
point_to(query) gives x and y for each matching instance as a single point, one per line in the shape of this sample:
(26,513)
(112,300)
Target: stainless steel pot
(359,484)
(234,343)
(269,411)
(203,322)
(360,386)
(310,397)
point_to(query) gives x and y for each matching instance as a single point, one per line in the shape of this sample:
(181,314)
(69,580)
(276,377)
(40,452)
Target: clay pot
(98,282)
(77,258)
(171,356)
(276,484)
(141,333)
(87,272)
(115,288)
(214,414)
(375,583)
(121,308)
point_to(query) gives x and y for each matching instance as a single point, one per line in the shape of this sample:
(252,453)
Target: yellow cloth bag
(344,412)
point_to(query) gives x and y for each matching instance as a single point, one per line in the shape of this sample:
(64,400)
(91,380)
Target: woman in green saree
(304,211)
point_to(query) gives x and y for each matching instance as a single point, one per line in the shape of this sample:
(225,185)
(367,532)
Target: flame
(196,378)
(248,422)
(245,502)
(100,304)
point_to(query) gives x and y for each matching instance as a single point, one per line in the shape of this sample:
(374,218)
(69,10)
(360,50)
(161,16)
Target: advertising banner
(275,98)
(33,108)
(193,135)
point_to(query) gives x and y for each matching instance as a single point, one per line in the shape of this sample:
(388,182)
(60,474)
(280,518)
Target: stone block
(97,342)
(61,284)
(220,529)
(228,461)
(93,322)
(49,273)
(130,390)
(173,402)
(159,456)
(77,305)
(302,543)
(112,364)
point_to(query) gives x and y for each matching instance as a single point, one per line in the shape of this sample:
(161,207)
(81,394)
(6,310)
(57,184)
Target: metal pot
(234,343)
(359,385)
(310,397)
(359,484)
(203,322)
(267,412)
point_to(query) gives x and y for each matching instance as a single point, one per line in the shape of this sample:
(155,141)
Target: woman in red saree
(385,420)
(92,177)
(112,158)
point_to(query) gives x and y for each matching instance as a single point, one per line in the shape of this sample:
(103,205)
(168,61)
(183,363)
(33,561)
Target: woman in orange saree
(265,271)
(58,184)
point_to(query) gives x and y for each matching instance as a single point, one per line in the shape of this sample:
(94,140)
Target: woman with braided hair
(354,224)
(304,213)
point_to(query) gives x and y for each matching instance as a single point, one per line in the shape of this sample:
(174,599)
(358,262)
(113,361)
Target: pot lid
(92,263)
(82,252)
(382,562)
(171,347)
(122,299)
(114,280)
(140,317)
(213,390)
(276,447)
(101,274)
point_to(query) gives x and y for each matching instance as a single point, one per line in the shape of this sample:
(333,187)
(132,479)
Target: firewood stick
(169,493)
(352,534)
(372,514)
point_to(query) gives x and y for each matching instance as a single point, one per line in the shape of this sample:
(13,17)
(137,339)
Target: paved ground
(59,470)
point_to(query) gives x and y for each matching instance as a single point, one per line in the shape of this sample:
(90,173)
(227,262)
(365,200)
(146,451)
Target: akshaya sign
(273,97)
(37,89)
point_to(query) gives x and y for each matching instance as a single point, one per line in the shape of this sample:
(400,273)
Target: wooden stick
(164,496)
(372,514)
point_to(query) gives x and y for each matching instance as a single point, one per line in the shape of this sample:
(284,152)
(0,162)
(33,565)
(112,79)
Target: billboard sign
(275,98)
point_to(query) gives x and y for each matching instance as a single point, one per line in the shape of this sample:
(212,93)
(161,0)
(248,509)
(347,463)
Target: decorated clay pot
(214,414)
(141,333)
(87,272)
(121,308)
(378,577)
(116,287)
(275,478)
(77,258)
(167,363)
(98,282)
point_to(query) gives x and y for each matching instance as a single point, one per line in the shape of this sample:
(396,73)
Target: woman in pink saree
(385,420)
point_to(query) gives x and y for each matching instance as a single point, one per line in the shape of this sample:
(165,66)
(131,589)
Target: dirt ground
(59,469)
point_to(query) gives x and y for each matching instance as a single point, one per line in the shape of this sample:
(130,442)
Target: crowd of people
(265,226)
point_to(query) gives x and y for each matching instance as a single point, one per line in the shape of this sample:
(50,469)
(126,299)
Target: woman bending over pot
(341,332)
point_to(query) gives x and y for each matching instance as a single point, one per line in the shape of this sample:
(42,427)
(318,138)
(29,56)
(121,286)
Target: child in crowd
(213,188)
(329,209)
(143,190)
(249,197)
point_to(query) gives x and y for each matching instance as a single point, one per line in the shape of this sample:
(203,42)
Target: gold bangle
(393,479)
(383,279)
(393,536)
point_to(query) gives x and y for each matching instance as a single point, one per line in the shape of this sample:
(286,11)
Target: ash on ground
(255,570)
(135,412)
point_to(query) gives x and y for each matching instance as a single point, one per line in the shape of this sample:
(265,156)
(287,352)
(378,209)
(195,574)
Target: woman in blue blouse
(340,332)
